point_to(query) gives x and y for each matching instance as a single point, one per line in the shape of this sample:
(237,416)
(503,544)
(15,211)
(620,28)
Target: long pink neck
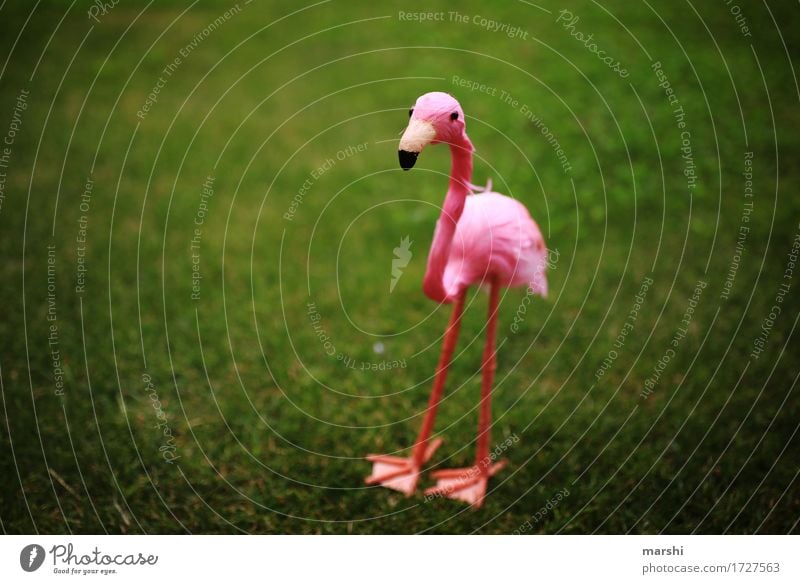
(458,189)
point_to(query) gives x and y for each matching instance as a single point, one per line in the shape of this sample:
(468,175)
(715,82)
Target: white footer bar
(400,559)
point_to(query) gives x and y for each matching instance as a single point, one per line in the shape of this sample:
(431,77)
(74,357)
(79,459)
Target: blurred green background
(266,430)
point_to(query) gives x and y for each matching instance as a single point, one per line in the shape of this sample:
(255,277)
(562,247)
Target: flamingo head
(435,118)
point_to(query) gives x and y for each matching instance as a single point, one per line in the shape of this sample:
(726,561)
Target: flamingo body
(496,240)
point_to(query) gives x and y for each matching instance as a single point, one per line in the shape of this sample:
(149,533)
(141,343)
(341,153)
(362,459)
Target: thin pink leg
(402,474)
(469,484)
(448,347)
(488,368)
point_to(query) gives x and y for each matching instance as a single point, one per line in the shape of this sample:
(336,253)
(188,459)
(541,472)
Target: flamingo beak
(418,134)
(407,159)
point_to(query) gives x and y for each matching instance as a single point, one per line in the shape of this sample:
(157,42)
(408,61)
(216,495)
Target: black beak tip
(407,159)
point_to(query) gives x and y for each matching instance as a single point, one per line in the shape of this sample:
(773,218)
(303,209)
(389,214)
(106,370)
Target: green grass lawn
(208,268)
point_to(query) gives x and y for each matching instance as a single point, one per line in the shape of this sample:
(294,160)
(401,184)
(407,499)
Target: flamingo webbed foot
(464,484)
(397,472)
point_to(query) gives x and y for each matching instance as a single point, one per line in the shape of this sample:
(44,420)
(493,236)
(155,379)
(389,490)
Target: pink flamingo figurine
(484,238)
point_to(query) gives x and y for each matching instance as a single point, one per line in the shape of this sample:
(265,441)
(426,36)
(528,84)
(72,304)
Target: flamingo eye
(454,116)
(411,111)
